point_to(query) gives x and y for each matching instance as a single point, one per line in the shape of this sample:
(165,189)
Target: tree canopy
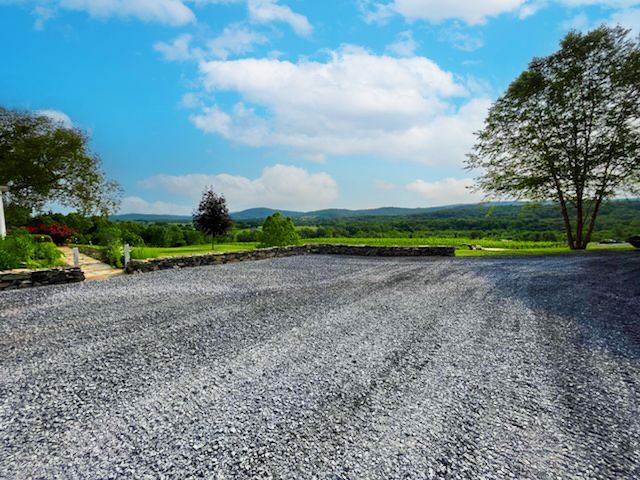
(568,130)
(279,231)
(212,215)
(43,162)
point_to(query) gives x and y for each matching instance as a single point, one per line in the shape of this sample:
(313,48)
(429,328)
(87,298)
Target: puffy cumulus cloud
(57,116)
(446,192)
(279,186)
(470,12)
(140,205)
(355,103)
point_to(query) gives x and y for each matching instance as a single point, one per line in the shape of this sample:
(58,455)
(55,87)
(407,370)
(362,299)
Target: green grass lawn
(156,252)
(436,241)
(595,247)
(507,247)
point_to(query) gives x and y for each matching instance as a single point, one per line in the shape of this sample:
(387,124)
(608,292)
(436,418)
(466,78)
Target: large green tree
(43,162)
(279,231)
(568,130)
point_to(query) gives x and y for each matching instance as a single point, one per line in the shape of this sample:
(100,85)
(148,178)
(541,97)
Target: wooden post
(76,257)
(127,254)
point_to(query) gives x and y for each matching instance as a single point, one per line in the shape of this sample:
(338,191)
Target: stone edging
(11,280)
(166,263)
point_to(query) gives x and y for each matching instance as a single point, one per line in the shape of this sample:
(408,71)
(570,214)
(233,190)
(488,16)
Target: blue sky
(296,104)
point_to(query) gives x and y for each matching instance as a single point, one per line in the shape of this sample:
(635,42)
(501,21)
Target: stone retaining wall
(10,280)
(166,263)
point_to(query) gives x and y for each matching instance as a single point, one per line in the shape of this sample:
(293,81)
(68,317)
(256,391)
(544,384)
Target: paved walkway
(93,269)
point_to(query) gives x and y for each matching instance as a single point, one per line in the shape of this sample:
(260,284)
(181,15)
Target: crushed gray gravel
(329,368)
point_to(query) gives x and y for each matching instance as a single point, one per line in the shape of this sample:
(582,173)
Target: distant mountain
(260,213)
(327,214)
(333,213)
(144,217)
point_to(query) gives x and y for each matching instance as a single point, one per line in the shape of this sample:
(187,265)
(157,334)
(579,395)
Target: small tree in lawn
(212,216)
(279,231)
(568,130)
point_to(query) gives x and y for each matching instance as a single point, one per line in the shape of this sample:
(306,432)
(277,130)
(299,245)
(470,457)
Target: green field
(502,247)
(542,251)
(156,252)
(436,241)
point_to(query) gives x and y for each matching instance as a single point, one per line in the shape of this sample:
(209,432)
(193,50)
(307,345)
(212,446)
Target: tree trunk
(579,243)
(592,223)
(567,221)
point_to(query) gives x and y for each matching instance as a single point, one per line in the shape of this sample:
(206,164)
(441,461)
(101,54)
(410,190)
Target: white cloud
(445,192)
(57,116)
(478,12)
(177,50)
(577,22)
(169,12)
(384,186)
(602,3)
(268,11)
(235,39)
(356,103)
(140,205)
(404,46)
(43,14)
(279,186)
(461,40)
(629,17)
(470,12)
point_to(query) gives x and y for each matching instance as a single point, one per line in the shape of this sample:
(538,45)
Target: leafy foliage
(42,161)
(212,216)
(20,249)
(279,231)
(567,129)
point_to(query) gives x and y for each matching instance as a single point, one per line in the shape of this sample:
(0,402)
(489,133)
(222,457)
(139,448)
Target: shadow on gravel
(598,293)
(588,320)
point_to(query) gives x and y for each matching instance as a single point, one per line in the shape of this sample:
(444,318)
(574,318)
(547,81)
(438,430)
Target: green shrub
(112,254)
(279,231)
(20,250)
(8,259)
(47,255)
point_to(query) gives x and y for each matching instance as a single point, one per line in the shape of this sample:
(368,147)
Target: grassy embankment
(502,247)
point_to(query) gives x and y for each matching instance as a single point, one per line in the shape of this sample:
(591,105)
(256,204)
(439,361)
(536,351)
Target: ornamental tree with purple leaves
(212,215)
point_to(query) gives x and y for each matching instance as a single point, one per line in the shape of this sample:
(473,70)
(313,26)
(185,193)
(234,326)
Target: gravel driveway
(329,368)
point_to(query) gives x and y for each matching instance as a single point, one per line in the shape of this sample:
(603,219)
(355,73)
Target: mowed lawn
(497,247)
(156,252)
